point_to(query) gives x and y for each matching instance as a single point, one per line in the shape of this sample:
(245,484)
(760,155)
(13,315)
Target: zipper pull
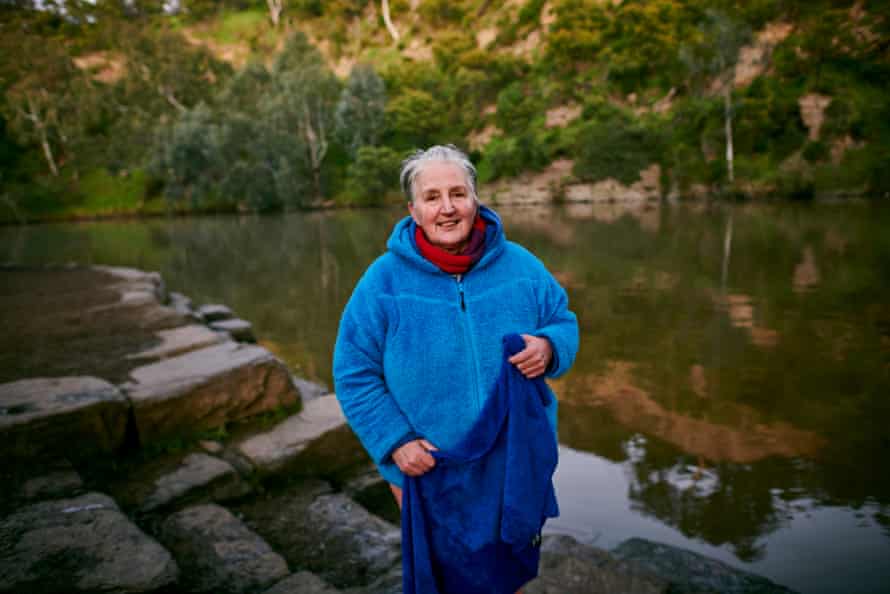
(463,305)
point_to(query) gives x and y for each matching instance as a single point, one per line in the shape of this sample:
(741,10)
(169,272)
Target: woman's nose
(447,204)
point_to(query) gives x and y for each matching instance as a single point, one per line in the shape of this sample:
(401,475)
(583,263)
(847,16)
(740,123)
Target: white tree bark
(276,7)
(317,142)
(727,107)
(40,126)
(388,21)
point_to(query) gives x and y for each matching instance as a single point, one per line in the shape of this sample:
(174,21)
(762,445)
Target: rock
(206,388)
(218,553)
(391,583)
(570,567)
(177,341)
(83,544)
(136,282)
(690,572)
(274,450)
(199,475)
(48,415)
(302,583)
(326,533)
(240,330)
(182,304)
(309,390)
(372,492)
(210,446)
(54,485)
(214,312)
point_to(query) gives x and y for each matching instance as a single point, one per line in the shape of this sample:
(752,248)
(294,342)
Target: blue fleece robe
(418,351)
(472,524)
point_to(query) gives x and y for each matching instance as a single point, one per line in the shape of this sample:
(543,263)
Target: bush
(619,149)
(508,157)
(373,177)
(815,151)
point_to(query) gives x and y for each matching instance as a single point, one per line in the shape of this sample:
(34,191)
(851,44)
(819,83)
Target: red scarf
(454,263)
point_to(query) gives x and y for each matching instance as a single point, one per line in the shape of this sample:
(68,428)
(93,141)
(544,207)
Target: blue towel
(472,524)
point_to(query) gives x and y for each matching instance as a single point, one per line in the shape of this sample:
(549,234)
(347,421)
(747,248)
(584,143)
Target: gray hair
(414,164)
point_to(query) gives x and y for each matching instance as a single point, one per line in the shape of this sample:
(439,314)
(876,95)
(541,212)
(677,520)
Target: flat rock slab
(53,485)
(213,312)
(83,544)
(274,450)
(177,341)
(309,390)
(690,572)
(199,476)
(570,567)
(326,533)
(47,415)
(303,582)
(219,554)
(206,388)
(78,321)
(240,330)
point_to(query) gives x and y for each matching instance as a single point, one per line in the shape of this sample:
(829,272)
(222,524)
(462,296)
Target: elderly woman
(420,341)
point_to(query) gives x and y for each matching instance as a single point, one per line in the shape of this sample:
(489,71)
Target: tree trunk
(275,9)
(44,139)
(388,21)
(318,148)
(171,99)
(727,105)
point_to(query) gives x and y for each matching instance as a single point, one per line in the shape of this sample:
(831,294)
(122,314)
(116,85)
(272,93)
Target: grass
(238,26)
(105,194)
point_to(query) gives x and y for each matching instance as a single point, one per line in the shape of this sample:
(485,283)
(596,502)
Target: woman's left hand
(533,360)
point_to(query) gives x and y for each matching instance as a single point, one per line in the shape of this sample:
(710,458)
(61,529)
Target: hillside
(107,109)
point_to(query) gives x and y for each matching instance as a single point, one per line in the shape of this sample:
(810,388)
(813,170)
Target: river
(732,390)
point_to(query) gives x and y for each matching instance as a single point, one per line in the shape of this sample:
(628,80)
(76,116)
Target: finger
(428,446)
(522,356)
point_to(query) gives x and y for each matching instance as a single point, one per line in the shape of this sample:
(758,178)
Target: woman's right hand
(414,458)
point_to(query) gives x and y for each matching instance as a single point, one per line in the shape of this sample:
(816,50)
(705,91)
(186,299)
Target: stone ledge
(83,544)
(205,389)
(273,450)
(59,412)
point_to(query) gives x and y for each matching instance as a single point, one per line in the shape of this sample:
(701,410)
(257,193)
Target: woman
(420,341)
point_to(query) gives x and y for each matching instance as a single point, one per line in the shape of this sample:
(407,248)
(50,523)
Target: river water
(732,391)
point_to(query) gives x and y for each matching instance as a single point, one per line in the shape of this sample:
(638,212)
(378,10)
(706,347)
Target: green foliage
(510,156)
(416,118)
(360,112)
(442,13)
(769,120)
(372,177)
(815,151)
(516,108)
(530,12)
(618,148)
(105,193)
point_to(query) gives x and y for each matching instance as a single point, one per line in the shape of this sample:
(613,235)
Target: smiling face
(444,205)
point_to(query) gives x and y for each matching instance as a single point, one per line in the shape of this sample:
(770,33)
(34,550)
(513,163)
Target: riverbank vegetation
(113,108)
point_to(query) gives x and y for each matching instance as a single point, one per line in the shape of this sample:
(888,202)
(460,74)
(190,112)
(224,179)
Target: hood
(401,241)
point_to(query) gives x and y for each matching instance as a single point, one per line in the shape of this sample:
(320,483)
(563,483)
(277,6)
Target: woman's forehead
(439,174)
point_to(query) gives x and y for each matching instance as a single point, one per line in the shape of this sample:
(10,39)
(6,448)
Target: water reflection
(731,385)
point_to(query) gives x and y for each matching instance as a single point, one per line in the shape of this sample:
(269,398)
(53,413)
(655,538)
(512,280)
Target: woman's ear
(413,213)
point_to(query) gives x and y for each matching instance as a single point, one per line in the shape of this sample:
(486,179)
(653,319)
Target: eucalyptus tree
(303,103)
(360,115)
(713,58)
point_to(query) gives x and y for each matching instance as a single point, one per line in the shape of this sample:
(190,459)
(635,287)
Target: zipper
(465,320)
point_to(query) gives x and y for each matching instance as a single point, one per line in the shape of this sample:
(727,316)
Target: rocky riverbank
(150,445)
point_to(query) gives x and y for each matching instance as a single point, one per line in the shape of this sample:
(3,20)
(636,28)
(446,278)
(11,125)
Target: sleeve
(358,373)
(557,324)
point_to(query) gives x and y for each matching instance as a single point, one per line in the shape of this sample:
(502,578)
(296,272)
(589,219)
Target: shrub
(372,177)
